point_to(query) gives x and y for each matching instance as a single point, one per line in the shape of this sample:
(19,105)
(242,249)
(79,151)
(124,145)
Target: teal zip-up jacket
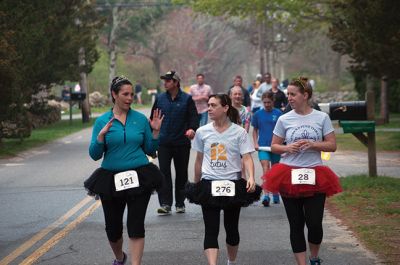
(125,146)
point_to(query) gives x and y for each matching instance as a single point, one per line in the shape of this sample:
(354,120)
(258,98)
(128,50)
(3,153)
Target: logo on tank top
(218,156)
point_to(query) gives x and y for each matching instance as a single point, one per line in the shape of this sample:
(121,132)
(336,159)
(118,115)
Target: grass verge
(385,141)
(370,207)
(11,147)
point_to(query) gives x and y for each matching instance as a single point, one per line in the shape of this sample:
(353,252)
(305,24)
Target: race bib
(303,176)
(126,180)
(223,188)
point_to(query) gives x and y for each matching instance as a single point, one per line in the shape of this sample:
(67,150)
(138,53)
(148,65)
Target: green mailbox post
(354,118)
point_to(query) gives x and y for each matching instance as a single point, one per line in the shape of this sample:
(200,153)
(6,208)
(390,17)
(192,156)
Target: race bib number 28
(126,180)
(223,188)
(303,176)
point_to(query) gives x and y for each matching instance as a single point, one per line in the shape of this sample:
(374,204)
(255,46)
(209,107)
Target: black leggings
(309,211)
(114,212)
(211,216)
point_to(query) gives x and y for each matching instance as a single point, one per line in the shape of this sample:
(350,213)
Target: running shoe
(180,209)
(315,261)
(116,262)
(275,198)
(164,210)
(265,201)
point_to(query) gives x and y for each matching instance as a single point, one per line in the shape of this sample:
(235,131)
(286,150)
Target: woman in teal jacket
(124,137)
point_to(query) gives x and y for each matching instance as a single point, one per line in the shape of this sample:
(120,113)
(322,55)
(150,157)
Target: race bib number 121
(126,180)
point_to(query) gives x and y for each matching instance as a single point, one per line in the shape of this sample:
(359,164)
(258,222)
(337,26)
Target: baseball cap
(171,75)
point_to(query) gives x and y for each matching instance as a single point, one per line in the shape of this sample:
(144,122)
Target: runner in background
(263,123)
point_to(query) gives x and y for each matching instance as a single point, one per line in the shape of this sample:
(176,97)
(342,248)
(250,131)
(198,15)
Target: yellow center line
(60,235)
(21,249)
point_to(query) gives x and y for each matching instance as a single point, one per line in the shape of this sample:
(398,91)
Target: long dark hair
(117,83)
(233,113)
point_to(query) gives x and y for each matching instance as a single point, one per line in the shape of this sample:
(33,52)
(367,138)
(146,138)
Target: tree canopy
(369,32)
(41,40)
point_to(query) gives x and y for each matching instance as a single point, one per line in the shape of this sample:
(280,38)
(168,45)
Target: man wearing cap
(178,128)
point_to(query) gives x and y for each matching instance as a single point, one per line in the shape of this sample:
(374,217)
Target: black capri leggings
(309,211)
(113,209)
(211,217)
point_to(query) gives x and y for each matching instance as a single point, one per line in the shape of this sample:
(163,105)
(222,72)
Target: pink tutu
(278,179)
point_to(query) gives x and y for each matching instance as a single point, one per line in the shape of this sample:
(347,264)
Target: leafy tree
(128,22)
(44,38)
(369,32)
(279,22)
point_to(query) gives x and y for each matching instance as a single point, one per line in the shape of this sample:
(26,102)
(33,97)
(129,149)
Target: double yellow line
(56,238)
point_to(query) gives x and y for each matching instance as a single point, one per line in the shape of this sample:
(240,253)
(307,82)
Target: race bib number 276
(223,188)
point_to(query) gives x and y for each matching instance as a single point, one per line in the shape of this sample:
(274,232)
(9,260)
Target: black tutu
(101,182)
(200,193)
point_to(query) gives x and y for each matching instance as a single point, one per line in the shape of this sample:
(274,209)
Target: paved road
(45,216)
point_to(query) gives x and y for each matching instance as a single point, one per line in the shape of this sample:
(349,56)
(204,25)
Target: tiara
(120,79)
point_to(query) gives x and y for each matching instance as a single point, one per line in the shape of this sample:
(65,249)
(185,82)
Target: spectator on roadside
(126,178)
(138,92)
(200,93)
(66,93)
(178,128)
(77,88)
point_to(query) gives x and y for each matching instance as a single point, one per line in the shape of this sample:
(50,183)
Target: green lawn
(385,141)
(11,147)
(371,208)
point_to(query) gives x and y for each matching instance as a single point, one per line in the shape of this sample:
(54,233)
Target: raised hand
(156,122)
(106,128)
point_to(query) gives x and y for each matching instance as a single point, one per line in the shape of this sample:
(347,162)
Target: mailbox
(78,96)
(357,126)
(349,110)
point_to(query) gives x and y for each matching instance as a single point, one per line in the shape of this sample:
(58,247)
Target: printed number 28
(303,177)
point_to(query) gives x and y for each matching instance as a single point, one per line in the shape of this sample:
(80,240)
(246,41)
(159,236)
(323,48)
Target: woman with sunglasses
(220,147)
(300,177)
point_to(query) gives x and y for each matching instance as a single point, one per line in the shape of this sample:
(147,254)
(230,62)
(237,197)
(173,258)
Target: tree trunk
(112,46)
(261,45)
(267,60)
(83,85)
(384,103)
(335,83)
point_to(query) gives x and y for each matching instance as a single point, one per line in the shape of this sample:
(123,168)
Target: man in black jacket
(178,128)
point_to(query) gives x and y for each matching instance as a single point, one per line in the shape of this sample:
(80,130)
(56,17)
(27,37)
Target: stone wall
(340,96)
